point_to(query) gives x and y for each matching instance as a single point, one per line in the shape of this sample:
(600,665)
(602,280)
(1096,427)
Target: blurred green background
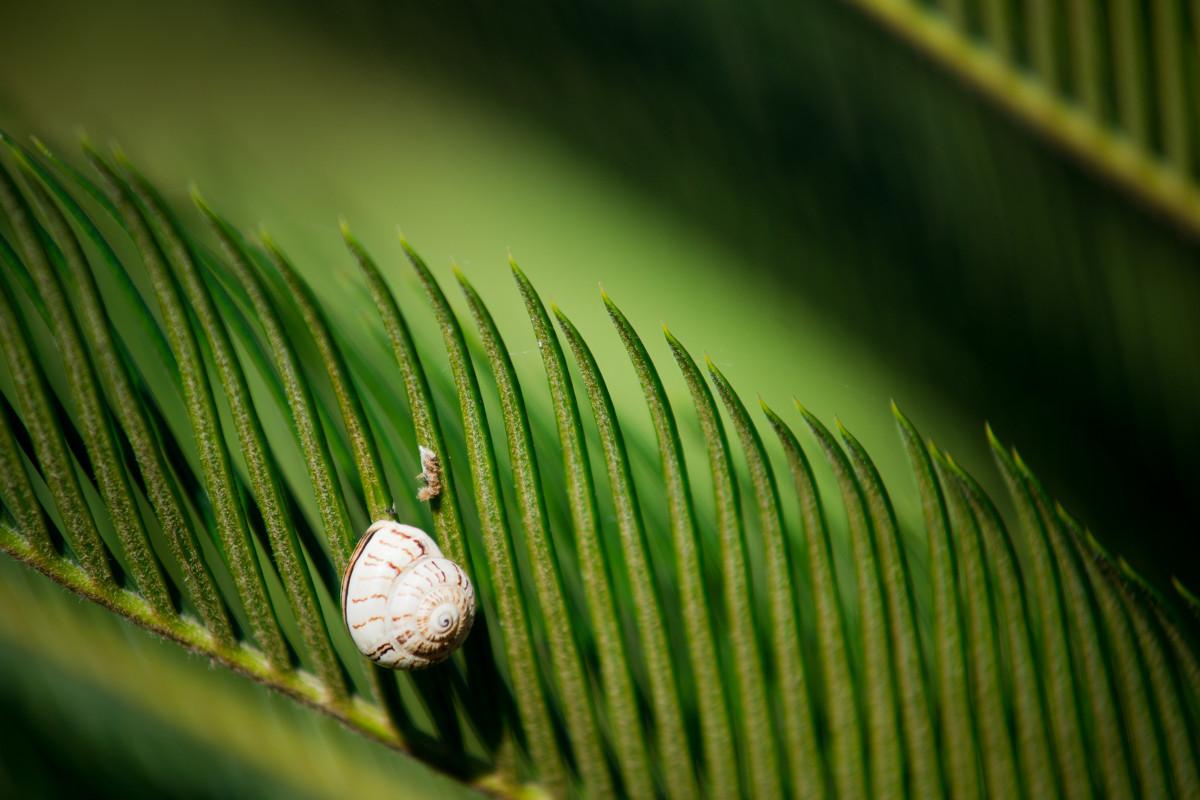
(820,207)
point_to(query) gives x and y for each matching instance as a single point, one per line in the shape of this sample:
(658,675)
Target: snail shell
(405,605)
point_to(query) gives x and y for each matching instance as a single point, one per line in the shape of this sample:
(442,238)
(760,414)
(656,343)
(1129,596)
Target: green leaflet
(632,755)
(1051,669)
(756,732)
(674,758)
(573,694)
(885,762)
(793,683)
(841,699)
(716,735)
(951,662)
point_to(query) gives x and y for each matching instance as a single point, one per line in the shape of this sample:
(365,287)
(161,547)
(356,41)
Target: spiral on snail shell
(405,605)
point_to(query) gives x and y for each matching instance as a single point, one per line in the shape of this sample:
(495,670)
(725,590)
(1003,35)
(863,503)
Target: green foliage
(963,188)
(152,463)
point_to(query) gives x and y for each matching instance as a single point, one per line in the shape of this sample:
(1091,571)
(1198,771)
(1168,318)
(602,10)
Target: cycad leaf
(886,760)
(1135,123)
(122,386)
(56,464)
(794,691)
(1025,686)
(614,664)
(573,694)
(1051,669)
(1111,767)
(911,672)
(950,661)
(665,685)
(530,695)
(756,734)
(1046,590)
(218,473)
(846,748)
(84,386)
(716,735)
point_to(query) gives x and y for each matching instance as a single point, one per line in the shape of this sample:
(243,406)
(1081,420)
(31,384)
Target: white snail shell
(405,605)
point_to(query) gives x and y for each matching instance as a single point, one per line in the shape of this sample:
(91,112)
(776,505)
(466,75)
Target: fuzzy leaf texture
(192,439)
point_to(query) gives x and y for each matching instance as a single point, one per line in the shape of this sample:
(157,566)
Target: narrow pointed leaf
(1178,729)
(16,493)
(137,304)
(304,419)
(911,674)
(569,677)
(802,756)
(958,741)
(120,383)
(757,734)
(362,446)
(523,671)
(215,461)
(714,716)
(621,703)
(443,504)
(56,465)
(366,459)
(1183,643)
(263,472)
(1046,600)
(997,751)
(847,745)
(93,418)
(885,761)
(671,740)
(1109,757)
(1026,685)
(114,371)
(1129,673)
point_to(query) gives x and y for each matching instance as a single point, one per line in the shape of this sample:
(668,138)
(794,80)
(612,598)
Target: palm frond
(152,463)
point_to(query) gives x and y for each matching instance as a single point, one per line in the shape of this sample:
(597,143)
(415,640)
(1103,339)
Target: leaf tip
(1020,463)
(613,311)
(813,423)
(269,241)
(85,142)
(771,415)
(1187,594)
(15,148)
(408,248)
(119,154)
(563,321)
(991,436)
(199,201)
